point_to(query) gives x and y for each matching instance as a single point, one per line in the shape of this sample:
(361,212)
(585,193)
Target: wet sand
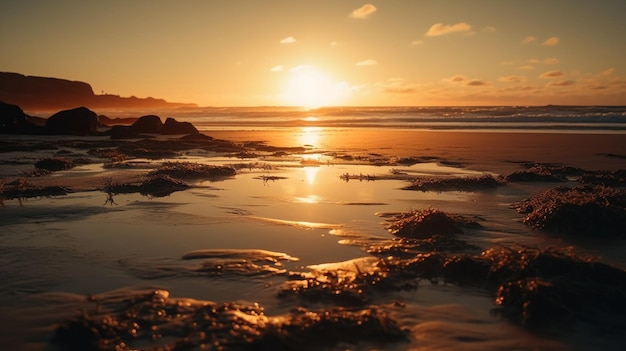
(238,239)
(498,152)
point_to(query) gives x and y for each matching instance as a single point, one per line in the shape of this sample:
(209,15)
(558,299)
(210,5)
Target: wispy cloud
(476,83)
(416,42)
(529,39)
(439,29)
(368,62)
(512,79)
(278,68)
(489,29)
(551,41)
(561,83)
(551,74)
(363,12)
(288,40)
(398,86)
(551,61)
(455,79)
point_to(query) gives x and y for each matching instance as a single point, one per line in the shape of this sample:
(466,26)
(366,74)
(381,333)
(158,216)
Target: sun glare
(310,88)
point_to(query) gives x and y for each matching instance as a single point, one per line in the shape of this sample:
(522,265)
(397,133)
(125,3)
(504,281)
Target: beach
(494,151)
(305,207)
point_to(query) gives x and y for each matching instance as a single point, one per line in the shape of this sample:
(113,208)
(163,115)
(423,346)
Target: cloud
(363,12)
(561,83)
(288,40)
(489,29)
(551,74)
(417,42)
(529,39)
(397,86)
(456,79)
(511,79)
(368,62)
(278,68)
(476,83)
(526,67)
(442,29)
(551,41)
(551,61)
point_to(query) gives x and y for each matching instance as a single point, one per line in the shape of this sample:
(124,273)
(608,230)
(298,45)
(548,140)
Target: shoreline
(498,152)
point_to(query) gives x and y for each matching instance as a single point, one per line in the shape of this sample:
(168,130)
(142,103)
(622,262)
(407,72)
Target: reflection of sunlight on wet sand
(311,174)
(311,199)
(299,224)
(310,136)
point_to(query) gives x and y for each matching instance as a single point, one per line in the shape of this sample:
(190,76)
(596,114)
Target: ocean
(603,119)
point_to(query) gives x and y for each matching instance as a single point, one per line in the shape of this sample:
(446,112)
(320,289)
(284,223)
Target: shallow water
(80,244)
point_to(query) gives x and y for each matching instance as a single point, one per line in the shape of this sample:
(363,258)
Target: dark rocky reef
(82,121)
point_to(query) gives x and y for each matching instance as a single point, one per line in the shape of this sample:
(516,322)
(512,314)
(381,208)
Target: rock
(78,121)
(172,126)
(123,132)
(148,124)
(14,121)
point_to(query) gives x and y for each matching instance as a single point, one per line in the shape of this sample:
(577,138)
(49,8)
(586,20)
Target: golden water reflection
(311,174)
(310,136)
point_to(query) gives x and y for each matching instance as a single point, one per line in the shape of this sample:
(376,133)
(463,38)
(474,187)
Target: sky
(326,52)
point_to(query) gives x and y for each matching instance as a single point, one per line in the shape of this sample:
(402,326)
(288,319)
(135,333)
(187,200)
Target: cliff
(43,93)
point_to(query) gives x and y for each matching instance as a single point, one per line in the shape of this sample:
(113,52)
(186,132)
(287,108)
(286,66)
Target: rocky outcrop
(43,93)
(14,121)
(78,121)
(172,126)
(148,124)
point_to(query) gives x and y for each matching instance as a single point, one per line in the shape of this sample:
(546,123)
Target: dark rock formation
(43,93)
(172,126)
(14,121)
(78,121)
(122,132)
(148,124)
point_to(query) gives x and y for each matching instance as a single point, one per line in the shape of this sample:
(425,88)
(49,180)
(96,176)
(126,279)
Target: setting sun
(308,87)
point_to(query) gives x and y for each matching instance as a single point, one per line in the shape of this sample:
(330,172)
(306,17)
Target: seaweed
(153,320)
(155,186)
(189,170)
(486,181)
(54,164)
(545,172)
(423,224)
(596,211)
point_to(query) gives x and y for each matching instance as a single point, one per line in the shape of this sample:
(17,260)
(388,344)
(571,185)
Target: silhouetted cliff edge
(43,93)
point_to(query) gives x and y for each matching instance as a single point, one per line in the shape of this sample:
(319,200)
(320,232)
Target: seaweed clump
(486,181)
(539,172)
(583,210)
(532,287)
(423,224)
(54,164)
(189,170)
(155,186)
(613,178)
(154,321)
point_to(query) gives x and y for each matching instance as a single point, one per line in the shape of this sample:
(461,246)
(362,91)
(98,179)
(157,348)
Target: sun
(311,88)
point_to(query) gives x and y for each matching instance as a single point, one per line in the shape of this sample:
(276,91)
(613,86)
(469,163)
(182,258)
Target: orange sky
(327,52)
